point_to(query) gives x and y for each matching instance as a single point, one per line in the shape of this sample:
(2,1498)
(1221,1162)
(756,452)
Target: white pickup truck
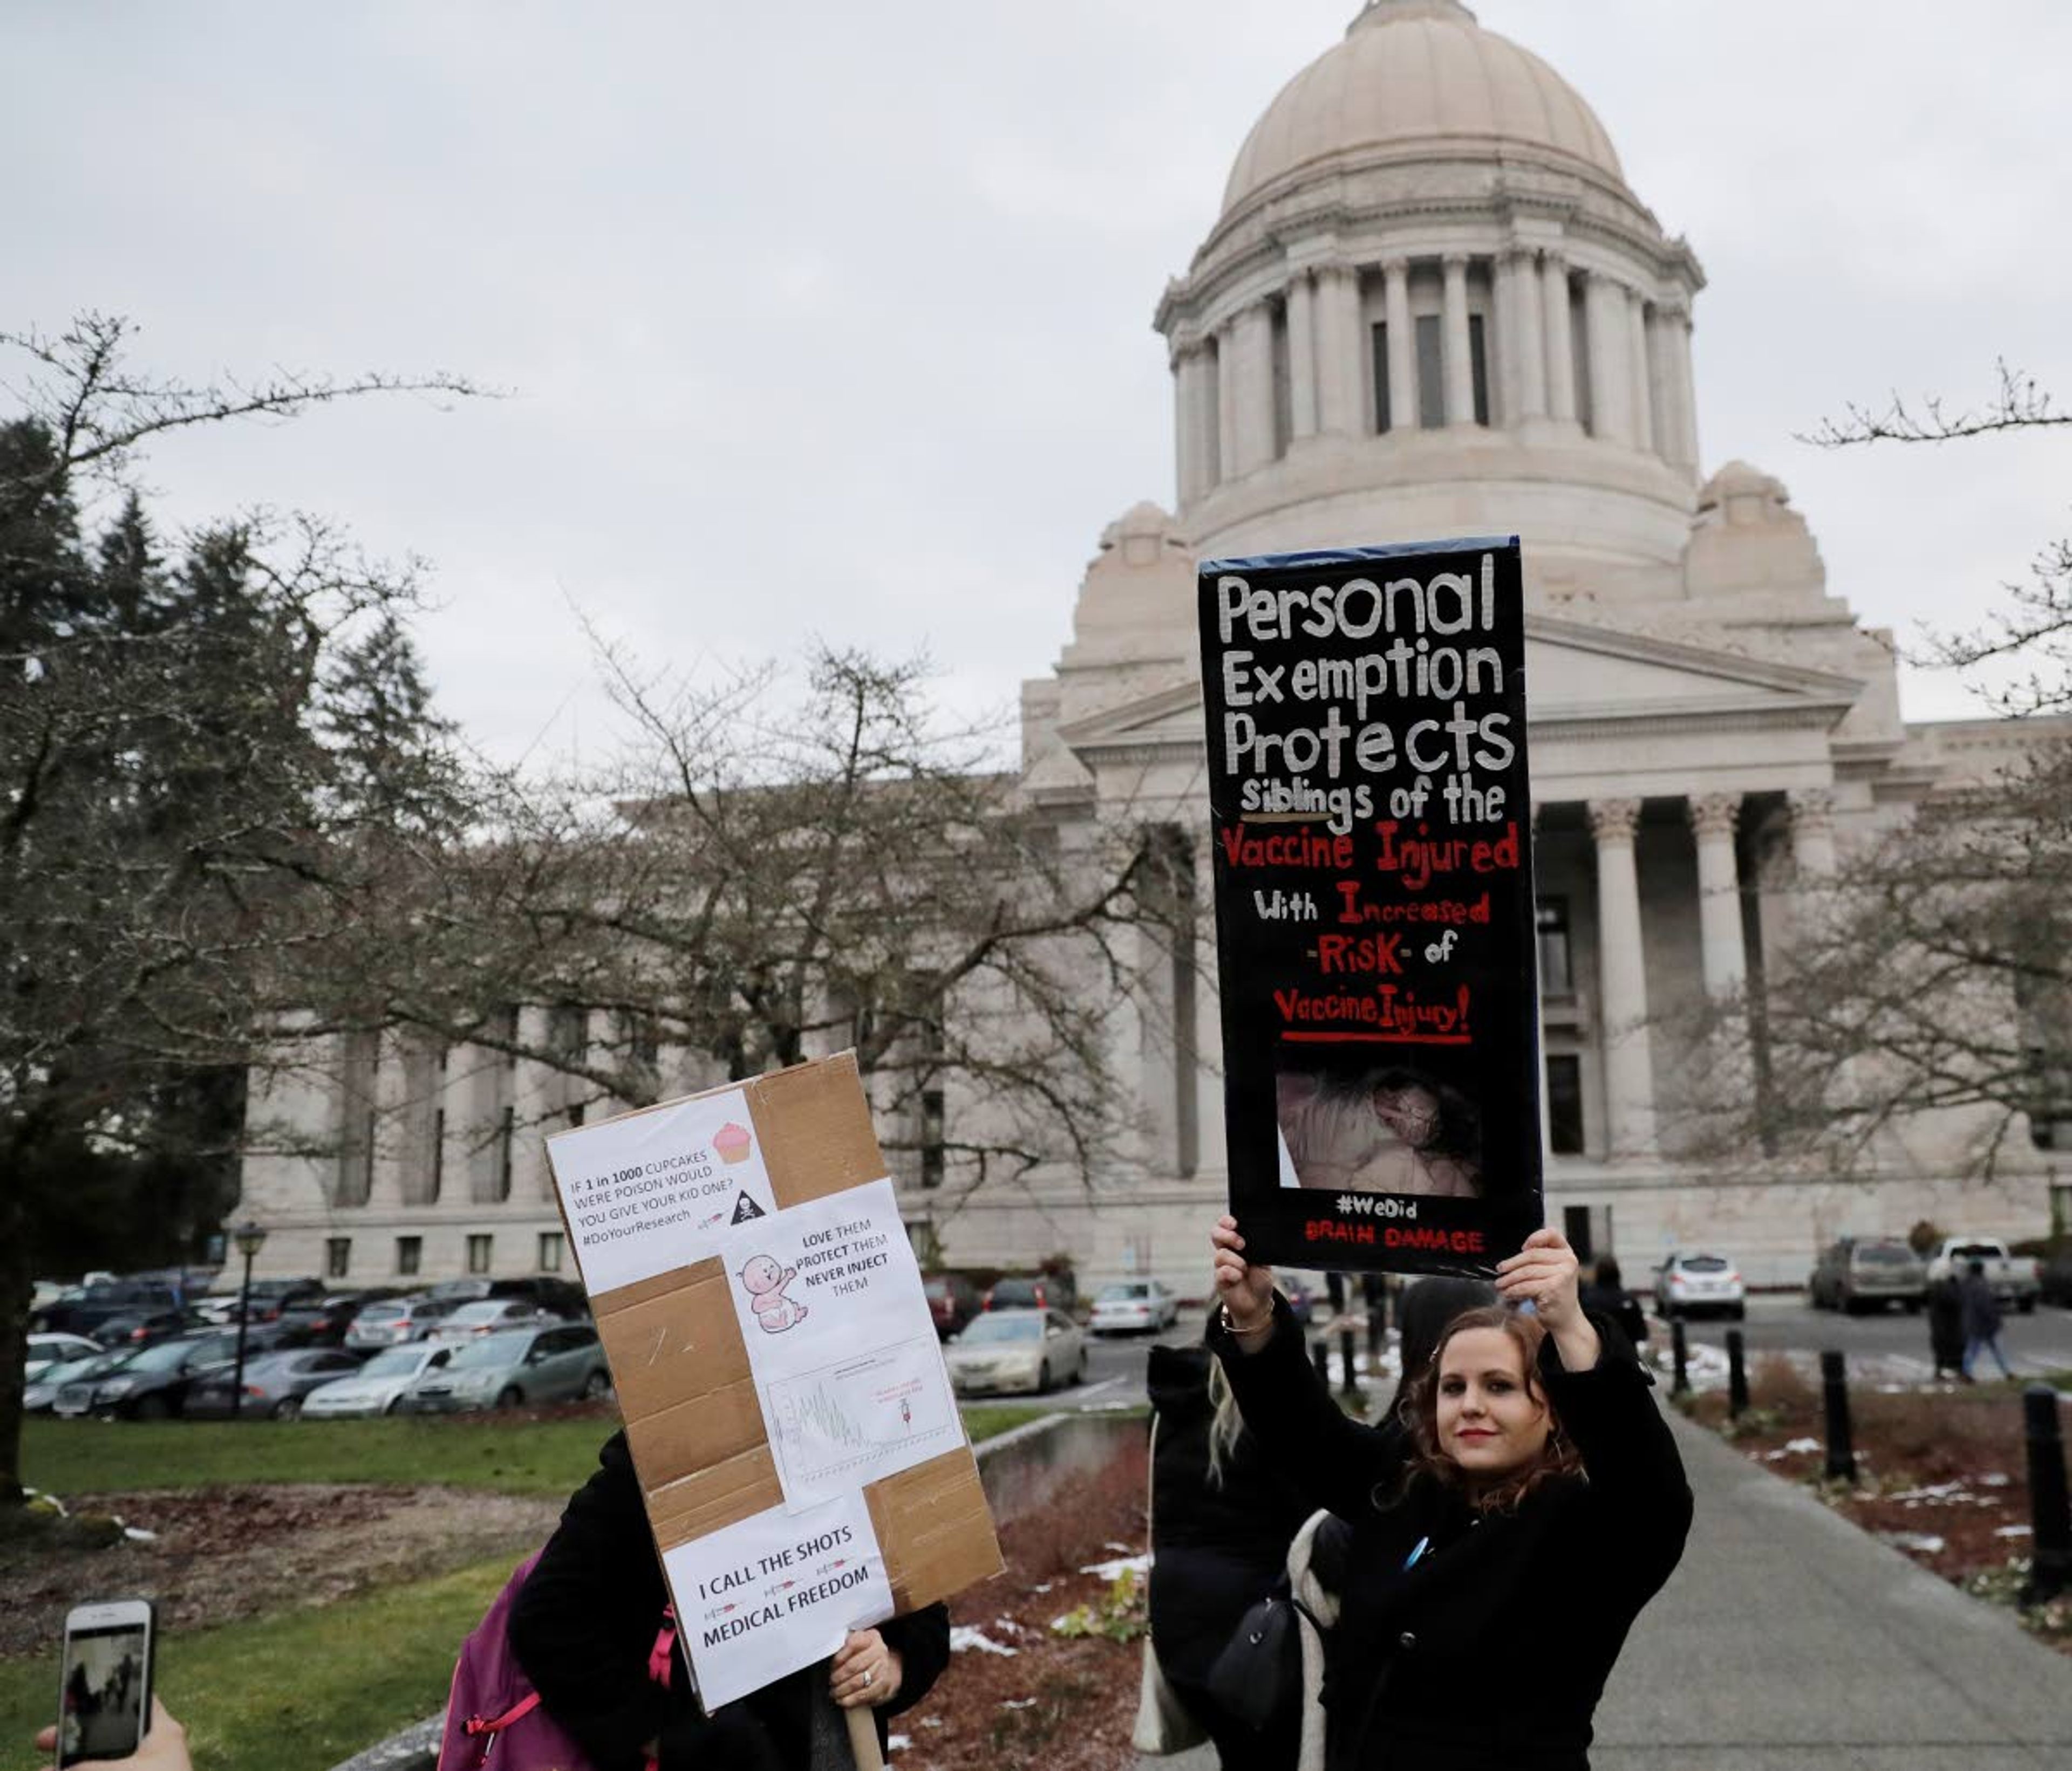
(2016,1279)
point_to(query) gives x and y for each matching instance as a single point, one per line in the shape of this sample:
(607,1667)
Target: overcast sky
(836,319)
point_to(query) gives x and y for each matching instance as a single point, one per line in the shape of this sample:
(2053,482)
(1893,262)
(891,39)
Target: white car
(492,1315)
(376,1386)
(1016,1349)
(1132,1305)
(46,1350)
(1690,1284)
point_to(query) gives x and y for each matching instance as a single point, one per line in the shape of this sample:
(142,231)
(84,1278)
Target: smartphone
(104,1695)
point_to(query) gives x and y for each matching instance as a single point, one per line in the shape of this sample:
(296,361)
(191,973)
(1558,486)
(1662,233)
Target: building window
(507,1138)
(477,1253)
(409,1254)
(338,1256)
(1431,374)
(1381,377)
(439,1154)
(1564,1103)
(1557,976)
(1479,368)
(550,1250)
(933,1154)
(1283,384)
(1576,1227)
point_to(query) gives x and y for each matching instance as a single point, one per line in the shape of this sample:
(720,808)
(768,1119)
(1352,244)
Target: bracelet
(1231,1327)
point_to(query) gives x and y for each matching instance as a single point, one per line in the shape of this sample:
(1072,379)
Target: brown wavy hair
(1420,1413)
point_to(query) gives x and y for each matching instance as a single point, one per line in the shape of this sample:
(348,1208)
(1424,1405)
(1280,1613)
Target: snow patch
(1802,1447)
(1122,1565)
(963,1636)
(1921,1542)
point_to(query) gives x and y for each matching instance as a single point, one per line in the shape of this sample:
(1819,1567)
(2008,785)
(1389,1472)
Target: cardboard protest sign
(804,1468)
(1372,826)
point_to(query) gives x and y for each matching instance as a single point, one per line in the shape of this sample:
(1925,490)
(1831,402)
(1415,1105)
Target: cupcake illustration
(730,1143)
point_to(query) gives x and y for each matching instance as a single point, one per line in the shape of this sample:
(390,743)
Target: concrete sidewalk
(1789,1640)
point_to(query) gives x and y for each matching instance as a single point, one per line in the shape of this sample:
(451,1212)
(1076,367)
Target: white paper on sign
(840,1343)
(776,1592)
(656,1191)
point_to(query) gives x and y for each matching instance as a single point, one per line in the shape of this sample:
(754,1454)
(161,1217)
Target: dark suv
(83,1309)
(953,1301)
(1038,1290)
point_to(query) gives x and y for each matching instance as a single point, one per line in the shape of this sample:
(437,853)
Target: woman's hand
(1246,1291)
(165,1747)
(1546,1272)
(866,1672)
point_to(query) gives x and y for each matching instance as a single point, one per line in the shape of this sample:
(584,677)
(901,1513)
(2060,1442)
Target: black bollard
(1737,1375)
(2050,1514)
(1320,1351)
(1681,1343)
(1841,1446)
(1377,1329)
(1350,1387)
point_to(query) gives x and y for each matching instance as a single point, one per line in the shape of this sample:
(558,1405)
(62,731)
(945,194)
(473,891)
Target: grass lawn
(304,1688)
(295,1691)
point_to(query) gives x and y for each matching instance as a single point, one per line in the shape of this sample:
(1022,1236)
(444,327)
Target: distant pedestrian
(1982,1321)
(1606,1296)
(1946,1325)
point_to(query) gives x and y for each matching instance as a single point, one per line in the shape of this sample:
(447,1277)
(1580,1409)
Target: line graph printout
(851,1423)
(840,1343)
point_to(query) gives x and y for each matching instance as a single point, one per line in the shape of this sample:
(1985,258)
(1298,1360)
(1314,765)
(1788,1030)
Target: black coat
(1217,1548)
(585,1623)
(1488,1651)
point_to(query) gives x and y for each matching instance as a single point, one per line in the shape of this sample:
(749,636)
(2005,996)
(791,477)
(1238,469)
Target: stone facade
(1432,306)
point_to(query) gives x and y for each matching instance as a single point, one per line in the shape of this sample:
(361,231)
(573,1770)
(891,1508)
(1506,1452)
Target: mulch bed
(1036,1698)
(1942,1474)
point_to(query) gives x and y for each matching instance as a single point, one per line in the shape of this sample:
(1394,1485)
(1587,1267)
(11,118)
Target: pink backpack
(492,1703)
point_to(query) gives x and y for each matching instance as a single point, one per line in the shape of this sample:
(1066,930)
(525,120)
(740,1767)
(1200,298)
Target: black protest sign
(1372,824)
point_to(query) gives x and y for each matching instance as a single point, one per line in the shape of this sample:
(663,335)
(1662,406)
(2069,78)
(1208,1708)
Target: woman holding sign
(1508,1528)
(584,1629)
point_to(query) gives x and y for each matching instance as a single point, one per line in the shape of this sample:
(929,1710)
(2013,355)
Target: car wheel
(1737,1313)
(1914,1306)
(288,1408)
(1079,1376)
(1043,1379)
(152,1408)
(395,1406)
(595,1386)
(2027,1306)
(511,1397)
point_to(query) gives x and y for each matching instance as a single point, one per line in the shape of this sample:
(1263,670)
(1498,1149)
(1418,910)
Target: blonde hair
(1225,1426)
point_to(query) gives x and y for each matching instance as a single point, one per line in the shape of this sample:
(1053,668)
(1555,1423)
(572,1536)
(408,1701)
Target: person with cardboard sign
(793,1474)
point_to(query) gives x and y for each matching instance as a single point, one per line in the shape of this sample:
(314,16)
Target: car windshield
(398,1361)
(383,1312)
(988,1330)
(1885,1253)
(492,1349)
(1122,1294)
(73,1370)
(489,1309)
(1702,1264)
(1976,1251)
(168,1355)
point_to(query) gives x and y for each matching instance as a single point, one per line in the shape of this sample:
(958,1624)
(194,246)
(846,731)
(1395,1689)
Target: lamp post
(249,1238)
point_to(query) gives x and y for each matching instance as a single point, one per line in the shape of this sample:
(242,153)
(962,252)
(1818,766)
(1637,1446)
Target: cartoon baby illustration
(766,1281)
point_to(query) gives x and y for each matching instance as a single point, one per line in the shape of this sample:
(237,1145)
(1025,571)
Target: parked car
(1132,1306)
(2015,1278)
(1867,1272)
(1016,1349)
(558,1363)
(393,1321)
(953,1301)
(1039,1292)
(377,1386)
(324,1322)
(491,1316)
(41,1393)
(275,1384)
(141,1328)
(561,1297)
(1690,1284)
(2054,1278)
(46,1350)
(151,1383)
(81,1309)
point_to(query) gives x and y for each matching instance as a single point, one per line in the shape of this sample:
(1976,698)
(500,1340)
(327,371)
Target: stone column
(1301,358)
(1213,1155)
(1622,980)
(1662,380)
(1460,367)
(1252,396)
(1812,834)
(1193,423)
(1520,343)
(1687,393)
(1560,347)
(1402,346)
(1335,308)
(1226,381)
(1611,352)
(1644,431)
(1725,957)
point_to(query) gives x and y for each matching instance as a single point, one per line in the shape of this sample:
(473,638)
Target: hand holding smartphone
(104,1690)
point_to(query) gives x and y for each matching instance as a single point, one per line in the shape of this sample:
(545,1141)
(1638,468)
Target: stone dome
(1419,73)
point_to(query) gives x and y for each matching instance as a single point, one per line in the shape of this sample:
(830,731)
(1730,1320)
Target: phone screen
(103,1700)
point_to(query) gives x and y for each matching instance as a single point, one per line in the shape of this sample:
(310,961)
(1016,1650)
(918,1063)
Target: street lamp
(249,1238)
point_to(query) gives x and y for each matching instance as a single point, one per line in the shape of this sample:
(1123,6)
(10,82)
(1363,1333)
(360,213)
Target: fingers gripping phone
(104,1692)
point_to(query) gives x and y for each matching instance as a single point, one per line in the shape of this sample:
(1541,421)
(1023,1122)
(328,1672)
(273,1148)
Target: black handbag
(1258,1676)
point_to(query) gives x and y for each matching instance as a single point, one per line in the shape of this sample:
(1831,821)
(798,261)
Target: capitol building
(1431,305)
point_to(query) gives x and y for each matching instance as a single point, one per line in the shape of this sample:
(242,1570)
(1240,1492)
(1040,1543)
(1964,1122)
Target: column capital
(1454,261)
(1713,815)
(1812,811)
(1553,258)
(1615,820)
(1396,265)
(1518,252)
